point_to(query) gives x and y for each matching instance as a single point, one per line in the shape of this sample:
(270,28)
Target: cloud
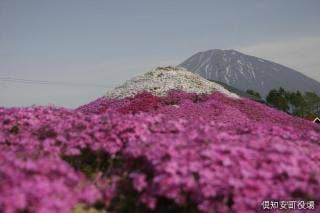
(302,54)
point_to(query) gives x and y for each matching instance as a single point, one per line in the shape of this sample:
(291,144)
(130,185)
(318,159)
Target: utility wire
(61,83)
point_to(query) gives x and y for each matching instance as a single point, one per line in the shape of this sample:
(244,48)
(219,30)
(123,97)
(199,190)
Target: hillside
(163,79)
(180,152)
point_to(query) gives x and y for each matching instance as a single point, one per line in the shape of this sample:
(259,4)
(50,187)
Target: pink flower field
(180,153)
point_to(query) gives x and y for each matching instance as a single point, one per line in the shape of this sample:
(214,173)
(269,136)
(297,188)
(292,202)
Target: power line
(44,82)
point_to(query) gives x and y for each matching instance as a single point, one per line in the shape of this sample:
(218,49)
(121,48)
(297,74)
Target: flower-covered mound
(163,79)
(179,153)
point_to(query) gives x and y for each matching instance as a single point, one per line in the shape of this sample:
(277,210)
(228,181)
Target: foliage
(296,103)
(278,99)
(254,93)
(312,102)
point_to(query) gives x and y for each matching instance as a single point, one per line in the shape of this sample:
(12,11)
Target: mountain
(248,72)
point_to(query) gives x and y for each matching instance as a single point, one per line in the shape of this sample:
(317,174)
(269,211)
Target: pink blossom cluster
(183,152)
(41,184)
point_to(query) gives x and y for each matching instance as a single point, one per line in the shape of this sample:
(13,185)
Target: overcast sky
(104,42)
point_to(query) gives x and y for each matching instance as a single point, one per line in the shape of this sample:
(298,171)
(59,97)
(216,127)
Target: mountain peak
(248,72)
(214,52)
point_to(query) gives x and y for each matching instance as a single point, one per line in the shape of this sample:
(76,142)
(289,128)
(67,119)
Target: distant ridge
(248,72)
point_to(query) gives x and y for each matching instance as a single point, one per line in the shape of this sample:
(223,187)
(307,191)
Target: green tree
(277,98)
(297,103)
(254,93)
(312,103)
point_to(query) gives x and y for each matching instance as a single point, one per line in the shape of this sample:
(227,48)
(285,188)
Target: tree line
(300,104)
